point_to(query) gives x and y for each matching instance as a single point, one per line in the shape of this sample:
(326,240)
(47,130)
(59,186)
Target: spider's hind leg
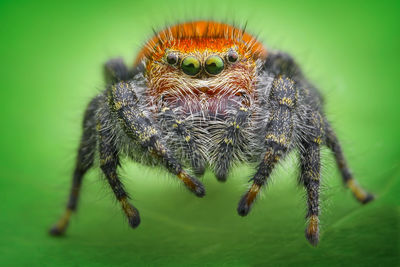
(310,177)
(310,163)
(115,71)
(333,143)
(84,162)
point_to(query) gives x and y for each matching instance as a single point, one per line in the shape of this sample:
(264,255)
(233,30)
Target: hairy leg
(179,127)
(84,161)
(109,161)
(333,143)
(115,71)
(310,176)
(310,172)
(143,129)
(231,140)
(281,63)
(279,130)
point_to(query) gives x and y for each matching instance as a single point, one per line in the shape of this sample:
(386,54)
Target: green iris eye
(190,66)
(214,65)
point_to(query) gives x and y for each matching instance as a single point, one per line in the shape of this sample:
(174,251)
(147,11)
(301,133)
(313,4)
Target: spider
(207,94)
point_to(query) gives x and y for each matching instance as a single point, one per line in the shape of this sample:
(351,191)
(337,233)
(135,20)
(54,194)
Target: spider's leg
(115,71)
(109,161)
(180,128)
(333,143)
(83,163)
(229,141)
(142,128)
(310,173)
(281,63)
(283,97)
(310,176)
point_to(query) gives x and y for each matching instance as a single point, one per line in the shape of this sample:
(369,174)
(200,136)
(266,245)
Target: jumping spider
(207,94)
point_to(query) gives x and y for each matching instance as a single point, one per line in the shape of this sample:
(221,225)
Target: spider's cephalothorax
(207,94)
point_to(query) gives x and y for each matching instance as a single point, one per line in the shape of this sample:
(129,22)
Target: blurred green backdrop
(52,56)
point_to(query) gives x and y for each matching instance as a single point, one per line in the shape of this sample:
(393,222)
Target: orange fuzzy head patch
(201,62)
(199,36)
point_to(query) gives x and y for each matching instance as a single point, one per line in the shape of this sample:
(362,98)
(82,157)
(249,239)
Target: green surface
(51,66)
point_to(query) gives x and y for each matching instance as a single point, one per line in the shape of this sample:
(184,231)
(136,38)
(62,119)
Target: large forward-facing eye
(190,65)
(214,65)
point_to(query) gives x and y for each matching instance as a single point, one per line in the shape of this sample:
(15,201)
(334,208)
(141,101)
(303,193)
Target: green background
(52,56)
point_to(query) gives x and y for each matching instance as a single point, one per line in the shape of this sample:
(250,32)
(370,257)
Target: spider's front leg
(230,140)
(179,127)
(283,97)
(142,128)
(114,71)
(109,162)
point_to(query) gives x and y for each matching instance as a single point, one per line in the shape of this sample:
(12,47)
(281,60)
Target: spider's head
(201,66)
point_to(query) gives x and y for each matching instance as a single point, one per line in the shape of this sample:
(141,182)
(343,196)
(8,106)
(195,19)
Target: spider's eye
(214,65)
(232,56)
(190,65)
(172,58)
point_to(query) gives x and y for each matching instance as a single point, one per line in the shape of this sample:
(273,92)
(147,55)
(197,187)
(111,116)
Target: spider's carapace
(198,36)
(208,44)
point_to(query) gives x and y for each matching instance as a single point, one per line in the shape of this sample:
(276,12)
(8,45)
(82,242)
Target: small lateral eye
(172,58)
(232,56)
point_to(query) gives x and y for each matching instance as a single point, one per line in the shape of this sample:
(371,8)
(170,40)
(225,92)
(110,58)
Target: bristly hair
(190,35)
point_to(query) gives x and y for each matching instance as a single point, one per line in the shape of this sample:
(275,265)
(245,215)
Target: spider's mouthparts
(205,104)
(204,89)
